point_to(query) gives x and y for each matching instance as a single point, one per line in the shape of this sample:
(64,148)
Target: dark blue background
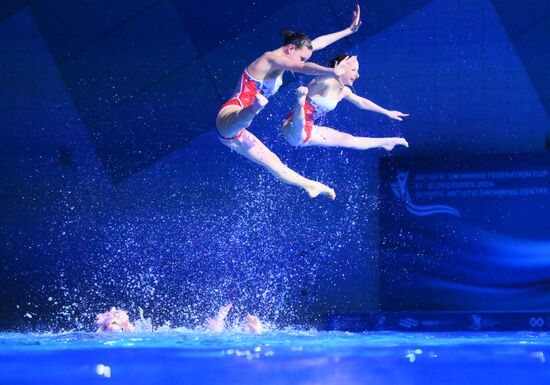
(115,190)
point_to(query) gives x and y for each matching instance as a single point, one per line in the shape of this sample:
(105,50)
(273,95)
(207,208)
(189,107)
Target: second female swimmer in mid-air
(322,95)
(260,80)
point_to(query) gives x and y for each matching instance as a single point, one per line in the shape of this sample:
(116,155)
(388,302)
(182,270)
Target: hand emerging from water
(217,324)
(253,325)
(356,19)
(396,115)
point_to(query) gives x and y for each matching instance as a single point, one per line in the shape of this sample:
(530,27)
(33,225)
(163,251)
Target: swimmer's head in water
(352,74)
(297,45)
(113,321)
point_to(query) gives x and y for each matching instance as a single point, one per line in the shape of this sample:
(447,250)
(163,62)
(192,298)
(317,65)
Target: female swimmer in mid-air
(261,79)
(322,95)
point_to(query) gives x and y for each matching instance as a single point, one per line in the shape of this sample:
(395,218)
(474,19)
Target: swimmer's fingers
(222,313)
(349,61)
(212,323)
(343,65)
(397,115)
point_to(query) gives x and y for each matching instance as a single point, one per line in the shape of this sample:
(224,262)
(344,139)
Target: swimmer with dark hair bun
(260,80)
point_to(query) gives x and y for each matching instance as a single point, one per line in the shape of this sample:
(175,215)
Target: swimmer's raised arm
(366,104)
(284,63)
(326,40)
(281,62)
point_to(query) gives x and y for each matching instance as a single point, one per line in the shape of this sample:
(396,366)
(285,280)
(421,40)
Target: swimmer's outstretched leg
(329,137)
(293,130)
(233,119)
(252,148)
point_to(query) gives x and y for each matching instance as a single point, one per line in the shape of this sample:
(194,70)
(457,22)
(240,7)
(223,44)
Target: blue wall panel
(531,47)
(118,66)
(519,16)
(9,7)
(214,23)
(70,26)
(157,121)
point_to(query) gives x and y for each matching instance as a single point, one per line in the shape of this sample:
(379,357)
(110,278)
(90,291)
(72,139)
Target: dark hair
(296,38)
(337,60)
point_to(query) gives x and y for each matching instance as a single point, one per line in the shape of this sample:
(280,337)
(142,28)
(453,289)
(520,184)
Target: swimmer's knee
(346,138)
(293,140)
(220,124)
(221,135)
(227,143)
(224,130)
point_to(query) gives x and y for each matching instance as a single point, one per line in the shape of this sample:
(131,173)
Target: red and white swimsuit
(314,108)
(246,91)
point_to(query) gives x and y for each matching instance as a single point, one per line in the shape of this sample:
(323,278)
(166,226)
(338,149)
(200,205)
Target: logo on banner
(476,322)
(408,322)
(401,191)
(536,322)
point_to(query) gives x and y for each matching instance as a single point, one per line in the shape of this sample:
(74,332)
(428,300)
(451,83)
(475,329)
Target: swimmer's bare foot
(301,93)
(317,188)
(253,325)
(217,324)
(390,143)
(260,102)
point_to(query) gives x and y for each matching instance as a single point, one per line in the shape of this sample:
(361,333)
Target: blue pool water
(282,357)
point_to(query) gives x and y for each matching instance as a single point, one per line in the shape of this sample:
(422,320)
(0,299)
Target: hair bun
(287,33)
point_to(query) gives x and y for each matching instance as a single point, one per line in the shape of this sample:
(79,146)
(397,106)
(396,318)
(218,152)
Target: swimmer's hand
(340,68)
(217,324)
(253,325)
(356,19)
(396,115)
